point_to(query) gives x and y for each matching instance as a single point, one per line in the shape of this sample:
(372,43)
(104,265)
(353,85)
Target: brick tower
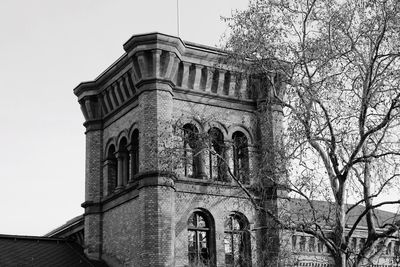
(140,208)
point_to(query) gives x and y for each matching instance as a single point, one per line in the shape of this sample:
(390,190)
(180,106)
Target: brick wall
(156,231)
(219,206)
(121,123)
(121,233)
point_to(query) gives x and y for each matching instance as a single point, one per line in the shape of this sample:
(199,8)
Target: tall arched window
(191,155)
(237,241)
(123,163)
(200,236)
(217,165)
(111,170)
(134,154)
(241,157)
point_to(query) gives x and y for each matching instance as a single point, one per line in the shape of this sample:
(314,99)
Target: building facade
(144,205)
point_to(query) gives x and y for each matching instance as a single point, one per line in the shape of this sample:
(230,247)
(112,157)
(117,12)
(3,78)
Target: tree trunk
(340,240)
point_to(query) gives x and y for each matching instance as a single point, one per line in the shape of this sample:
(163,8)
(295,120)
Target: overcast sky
(47,47)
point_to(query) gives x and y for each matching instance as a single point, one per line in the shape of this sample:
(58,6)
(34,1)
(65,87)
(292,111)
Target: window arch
(134,154)
(217,166)
(241,157)
(111,170)
(200,240)
(237,241)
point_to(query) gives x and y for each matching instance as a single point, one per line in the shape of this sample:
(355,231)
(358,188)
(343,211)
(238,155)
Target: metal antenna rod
(177,15)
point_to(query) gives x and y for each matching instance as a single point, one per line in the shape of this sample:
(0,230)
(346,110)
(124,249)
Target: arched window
(217,165)
(200,236)
(110,165)
(122,164)
(237,241)
(134,154)
(191,155)
(241,157)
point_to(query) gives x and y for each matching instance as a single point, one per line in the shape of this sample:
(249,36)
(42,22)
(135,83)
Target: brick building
(154,197)
(138,210)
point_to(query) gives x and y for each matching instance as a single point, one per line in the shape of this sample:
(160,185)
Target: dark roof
(42,252)
(323,212)
(70,227)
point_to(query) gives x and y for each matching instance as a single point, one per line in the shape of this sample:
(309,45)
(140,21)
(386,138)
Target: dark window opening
(111,170)
(199,232)
(241,157)
(237,242)
(122,163)
(217,165)
(192,159)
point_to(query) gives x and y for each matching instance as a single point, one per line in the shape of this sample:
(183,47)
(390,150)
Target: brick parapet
(164,58)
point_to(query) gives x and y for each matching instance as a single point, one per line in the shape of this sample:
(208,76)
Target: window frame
(209,231)
(111,169)
(190,148)
(242,234)
(241,162)
(217,155)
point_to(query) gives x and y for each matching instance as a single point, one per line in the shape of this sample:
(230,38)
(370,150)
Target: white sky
(47,47)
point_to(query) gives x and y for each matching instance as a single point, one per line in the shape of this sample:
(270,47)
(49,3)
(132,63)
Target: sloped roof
(323,212)
(42,252)
(71,226)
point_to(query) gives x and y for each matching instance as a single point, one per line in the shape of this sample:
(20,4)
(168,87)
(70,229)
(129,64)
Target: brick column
(156,187)
(270,117)
(156,194)
(93,192)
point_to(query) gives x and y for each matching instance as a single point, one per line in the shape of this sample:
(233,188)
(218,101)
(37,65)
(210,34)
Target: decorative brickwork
(138,215)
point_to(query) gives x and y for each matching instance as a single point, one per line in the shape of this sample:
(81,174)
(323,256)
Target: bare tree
(333,67)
